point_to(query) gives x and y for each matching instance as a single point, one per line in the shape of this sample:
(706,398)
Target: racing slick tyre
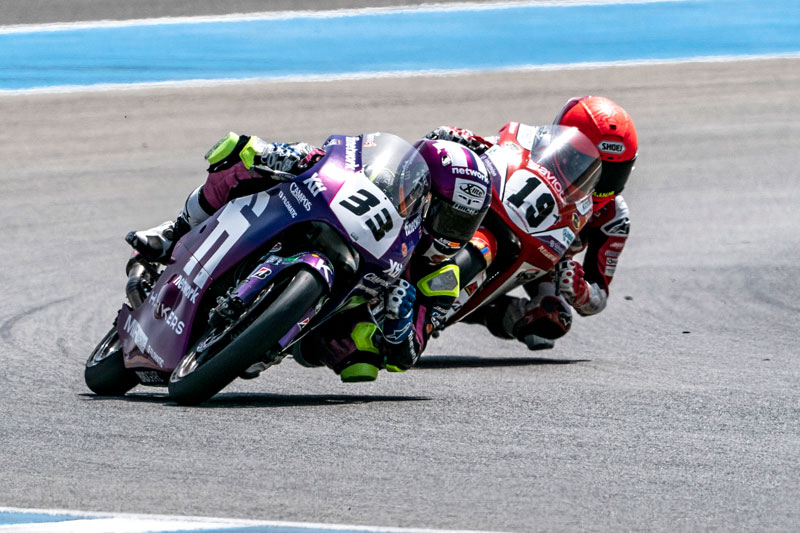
(105,373)
(223,353)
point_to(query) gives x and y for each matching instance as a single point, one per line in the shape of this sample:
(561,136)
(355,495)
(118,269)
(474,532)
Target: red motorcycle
(542,183)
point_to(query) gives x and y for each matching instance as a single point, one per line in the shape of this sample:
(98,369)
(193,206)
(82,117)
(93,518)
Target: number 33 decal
(360,203)
(529,202)
(367,214)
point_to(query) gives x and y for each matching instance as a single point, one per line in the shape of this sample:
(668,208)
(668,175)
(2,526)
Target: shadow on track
(460,361)
(255,400)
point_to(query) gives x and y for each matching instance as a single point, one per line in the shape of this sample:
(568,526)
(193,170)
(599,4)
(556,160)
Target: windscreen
(397,169)
(570,156)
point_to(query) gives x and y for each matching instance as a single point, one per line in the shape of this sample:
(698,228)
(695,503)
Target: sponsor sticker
(526,135)
(314,185)
(611,147)
(469,194)
(350,152)
(374,278)
(188,291)
(262,272)
(287,204)
(576,221)
(413,225)
(568,236)
(394,270)
(471,189)
(301,198)
(617,227)
(584,205)
(133,329)
(548,254)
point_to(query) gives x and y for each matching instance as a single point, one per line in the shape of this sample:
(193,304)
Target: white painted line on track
(113,525)
(317,78)
(336,13)
(93,522)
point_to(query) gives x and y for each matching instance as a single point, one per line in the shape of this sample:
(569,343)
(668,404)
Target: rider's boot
(364,362)
(358,371)
(535,342)
(254,370)
(549,318)
(535,322)
(359,366)
(156,244)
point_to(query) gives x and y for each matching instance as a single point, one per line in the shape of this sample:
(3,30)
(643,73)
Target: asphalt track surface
(676,409)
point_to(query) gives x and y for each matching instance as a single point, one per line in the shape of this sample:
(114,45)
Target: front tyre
(219,356)
(105,373)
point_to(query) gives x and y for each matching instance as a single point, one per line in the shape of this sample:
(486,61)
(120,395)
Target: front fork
(272,265)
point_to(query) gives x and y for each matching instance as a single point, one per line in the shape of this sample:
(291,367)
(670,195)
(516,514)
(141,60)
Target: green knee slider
(442,282)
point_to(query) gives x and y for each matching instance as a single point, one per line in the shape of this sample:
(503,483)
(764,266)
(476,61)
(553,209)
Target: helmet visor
(452,223)
(614,176)
(570,156)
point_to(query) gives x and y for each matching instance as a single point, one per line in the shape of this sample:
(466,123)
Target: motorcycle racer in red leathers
(546,315)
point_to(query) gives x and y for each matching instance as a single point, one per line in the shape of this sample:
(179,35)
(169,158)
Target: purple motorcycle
(265,270)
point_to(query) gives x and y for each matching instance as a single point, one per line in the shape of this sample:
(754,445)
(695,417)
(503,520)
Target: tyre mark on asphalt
(8,325)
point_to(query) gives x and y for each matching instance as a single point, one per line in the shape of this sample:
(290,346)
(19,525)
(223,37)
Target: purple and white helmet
(461,192)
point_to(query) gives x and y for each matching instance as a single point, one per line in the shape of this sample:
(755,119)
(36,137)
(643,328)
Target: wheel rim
(197,356)
(108,346)
(187,365)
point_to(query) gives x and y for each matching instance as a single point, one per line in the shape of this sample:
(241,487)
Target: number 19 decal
(529,202)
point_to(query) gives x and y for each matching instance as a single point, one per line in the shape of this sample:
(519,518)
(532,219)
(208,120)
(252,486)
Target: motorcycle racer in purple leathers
(353,344)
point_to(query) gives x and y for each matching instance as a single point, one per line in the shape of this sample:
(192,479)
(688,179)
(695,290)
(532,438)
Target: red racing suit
(603,239)
(547,314)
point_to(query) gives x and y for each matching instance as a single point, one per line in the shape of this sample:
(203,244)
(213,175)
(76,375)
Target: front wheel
(105,372)
(222,354)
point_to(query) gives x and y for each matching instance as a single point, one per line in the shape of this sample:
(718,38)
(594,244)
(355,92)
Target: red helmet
(611,129)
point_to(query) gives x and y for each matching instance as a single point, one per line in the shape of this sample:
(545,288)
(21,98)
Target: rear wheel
(105,372)
(223,353)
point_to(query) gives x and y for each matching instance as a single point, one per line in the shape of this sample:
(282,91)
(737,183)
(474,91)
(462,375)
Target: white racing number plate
(367,214)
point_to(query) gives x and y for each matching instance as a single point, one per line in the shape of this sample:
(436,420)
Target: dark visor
(453,224)
(614,176)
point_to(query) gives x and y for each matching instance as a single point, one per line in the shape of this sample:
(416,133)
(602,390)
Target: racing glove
(587,298)
(463,137)
(232,150)
(399,309)
(284,159)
